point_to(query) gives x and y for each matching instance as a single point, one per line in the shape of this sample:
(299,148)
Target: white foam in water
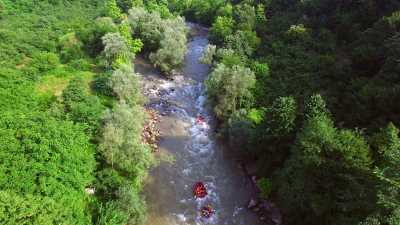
(187,171)
(237,211)
(181,217)
(167,85)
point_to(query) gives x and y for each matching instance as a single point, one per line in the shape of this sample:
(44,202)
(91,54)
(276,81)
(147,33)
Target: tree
(230,58)
(245,17)
(220,29)
(164,38)
(172,47)
(127,86)
(315,106)
(149,27)
(125,5)
(112,10)
(208,54)
(121,144)
(326,179)
(135,45)
(116,50)
(281,116)
(244,43)
(229,89)
(386,144)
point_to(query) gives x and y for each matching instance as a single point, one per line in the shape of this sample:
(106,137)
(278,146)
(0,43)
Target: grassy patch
(55,84)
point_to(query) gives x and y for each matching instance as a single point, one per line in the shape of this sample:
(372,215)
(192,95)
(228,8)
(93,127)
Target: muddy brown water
(196,154)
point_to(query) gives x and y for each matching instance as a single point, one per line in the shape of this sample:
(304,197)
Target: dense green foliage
(326,166)
(307,90)
(71,114)
(164,38)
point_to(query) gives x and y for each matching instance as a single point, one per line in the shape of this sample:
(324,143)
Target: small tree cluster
(230,89)
(164,38)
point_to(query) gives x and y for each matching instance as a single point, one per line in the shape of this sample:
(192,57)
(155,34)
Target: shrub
(110,214)
(80,64)
(71,47)
(102,84)
(45,61)
(265,185)
(75,91)
(130,202)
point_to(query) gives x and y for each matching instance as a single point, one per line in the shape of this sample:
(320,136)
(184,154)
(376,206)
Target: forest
(308,89)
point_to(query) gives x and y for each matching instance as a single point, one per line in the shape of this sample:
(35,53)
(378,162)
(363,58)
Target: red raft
(207,211)
(199,190)
(200,120)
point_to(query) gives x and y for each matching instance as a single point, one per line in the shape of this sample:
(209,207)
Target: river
(194,152)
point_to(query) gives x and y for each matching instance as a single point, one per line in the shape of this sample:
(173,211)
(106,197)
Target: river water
(194,153)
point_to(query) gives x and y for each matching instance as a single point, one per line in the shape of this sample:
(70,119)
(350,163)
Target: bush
(80,64)
(102,84)
(70,47)
(265,185)
(75,91)
(45,61)
(87,112)
(17,208)
(130,202)
(111,214)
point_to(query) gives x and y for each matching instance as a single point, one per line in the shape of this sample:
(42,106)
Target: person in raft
(200,120)
(199,190)
(207,211)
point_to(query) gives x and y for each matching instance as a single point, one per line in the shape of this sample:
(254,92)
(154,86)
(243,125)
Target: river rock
(252,204)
